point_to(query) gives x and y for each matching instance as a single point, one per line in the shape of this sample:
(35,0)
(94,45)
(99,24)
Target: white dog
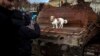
(58,22)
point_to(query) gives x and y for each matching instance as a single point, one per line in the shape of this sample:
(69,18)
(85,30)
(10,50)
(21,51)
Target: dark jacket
(7,32)
(24,34)
(21,21)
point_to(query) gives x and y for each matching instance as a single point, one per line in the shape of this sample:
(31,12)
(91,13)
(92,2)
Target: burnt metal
(70,40)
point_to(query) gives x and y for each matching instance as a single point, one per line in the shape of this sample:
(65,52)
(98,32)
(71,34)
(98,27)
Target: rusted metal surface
(92,50)
(68,41)
(80,19)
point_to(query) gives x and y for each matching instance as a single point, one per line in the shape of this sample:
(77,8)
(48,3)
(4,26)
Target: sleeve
(37,28)
(27,33)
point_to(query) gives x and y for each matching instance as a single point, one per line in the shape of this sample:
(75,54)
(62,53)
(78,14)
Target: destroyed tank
(71,39)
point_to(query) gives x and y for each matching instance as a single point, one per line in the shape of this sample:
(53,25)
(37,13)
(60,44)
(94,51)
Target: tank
(71,39)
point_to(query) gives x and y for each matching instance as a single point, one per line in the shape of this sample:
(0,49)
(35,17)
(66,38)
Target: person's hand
(31,25)
(33,22)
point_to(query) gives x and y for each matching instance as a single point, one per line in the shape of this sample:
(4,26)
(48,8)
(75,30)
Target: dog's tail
(65,21)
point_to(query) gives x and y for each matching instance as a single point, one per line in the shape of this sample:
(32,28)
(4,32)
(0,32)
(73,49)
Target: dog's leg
(56,25)
(62,26)
(59,25)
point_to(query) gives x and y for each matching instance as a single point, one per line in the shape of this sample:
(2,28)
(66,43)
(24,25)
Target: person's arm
(22,29)
(37,28)
(28,33)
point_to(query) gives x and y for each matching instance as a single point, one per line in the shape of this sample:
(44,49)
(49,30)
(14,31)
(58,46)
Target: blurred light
(38,1)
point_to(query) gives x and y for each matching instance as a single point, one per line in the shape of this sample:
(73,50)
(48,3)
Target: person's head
(7,3)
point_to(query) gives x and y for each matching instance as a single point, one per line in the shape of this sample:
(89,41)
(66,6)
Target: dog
(58,22)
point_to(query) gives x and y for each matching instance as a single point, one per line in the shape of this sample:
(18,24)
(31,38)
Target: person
(25,33)
(6,29)
(15,35)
